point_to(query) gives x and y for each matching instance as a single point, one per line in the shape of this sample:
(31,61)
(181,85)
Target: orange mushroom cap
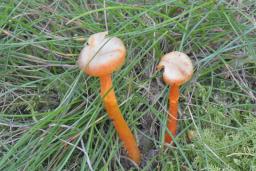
(178,68)
(102,55)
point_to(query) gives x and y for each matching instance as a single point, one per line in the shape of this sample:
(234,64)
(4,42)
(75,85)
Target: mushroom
(100,57)
(178,69)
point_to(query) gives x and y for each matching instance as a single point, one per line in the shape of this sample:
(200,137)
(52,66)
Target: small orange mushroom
(100,57)
(178,69)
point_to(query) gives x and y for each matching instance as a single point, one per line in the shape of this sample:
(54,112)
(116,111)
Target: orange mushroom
(100,57)
(178,69)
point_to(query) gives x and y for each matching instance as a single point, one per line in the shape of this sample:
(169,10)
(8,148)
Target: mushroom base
(173,113)
(112,108)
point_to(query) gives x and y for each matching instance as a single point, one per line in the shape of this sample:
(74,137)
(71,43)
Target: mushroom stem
(173,113)
(111,106)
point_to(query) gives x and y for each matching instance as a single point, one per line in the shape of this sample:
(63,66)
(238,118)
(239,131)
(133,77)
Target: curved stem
(173,113)
(111,106)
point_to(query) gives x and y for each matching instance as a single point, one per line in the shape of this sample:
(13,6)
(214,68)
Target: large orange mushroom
(178,69)
(100,57)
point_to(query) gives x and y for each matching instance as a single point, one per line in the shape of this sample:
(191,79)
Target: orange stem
(111,106)
(173,113)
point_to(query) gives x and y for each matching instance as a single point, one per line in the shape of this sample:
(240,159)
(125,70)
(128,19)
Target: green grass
(45,100)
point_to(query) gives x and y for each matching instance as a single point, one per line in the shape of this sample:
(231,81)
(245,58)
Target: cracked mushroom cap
(102,55)
(177,66)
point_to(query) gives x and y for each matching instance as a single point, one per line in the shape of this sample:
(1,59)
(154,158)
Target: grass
(45,100)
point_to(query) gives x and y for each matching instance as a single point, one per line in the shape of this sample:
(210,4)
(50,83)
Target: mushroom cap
(102,55)
(178,68)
